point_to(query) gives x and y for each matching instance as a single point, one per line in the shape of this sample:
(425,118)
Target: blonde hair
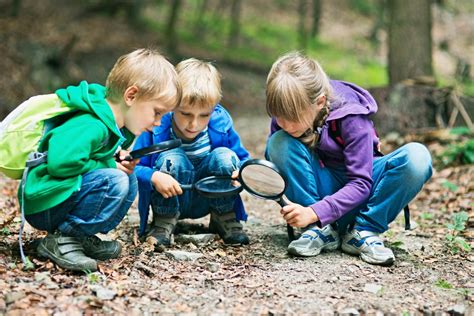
(150,72)
(294,84)
(201,83)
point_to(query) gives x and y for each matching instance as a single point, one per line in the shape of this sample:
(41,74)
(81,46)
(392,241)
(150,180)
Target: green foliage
(457,154)
(397,244)
(92,278)
(450,186)
(426,216)
(365,7)
(454,242)
(28,264)
(443,284)
(459,221)
(5,231)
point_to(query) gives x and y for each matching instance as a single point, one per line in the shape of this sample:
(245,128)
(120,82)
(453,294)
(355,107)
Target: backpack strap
(334,131)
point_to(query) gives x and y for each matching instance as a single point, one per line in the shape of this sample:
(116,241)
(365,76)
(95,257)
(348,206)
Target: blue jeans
(220,161)
(397,178)
(98,207)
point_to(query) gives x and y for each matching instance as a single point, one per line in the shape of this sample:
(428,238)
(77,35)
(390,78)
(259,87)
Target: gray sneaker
(162,227)
(314,240)
(99,249)
(369,246)
(67,252)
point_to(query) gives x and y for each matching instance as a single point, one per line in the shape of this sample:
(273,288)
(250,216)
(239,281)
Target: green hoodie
(84,142)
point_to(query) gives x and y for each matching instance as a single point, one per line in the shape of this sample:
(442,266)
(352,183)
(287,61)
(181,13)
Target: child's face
(189,120)
(295,129)
(145,113)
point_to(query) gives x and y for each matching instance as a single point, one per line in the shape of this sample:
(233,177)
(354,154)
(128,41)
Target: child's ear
(320,102)
(130,95)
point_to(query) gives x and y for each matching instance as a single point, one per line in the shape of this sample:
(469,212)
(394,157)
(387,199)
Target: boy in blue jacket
(210,147)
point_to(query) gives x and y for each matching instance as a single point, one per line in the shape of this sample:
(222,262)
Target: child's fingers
(290,216)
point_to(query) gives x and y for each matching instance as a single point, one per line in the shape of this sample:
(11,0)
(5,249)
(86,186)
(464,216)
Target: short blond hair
(200,81)
(294,84)
(149,71)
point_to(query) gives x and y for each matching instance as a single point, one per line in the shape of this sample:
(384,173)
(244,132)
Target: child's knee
(279,145)
(173,162)
(224,159)
(118,182)
(418,161)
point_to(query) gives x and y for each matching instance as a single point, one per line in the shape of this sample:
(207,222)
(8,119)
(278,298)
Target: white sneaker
(369,246)
(314,240)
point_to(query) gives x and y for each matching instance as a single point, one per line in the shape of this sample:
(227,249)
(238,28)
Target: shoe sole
(45,253)
(311,252)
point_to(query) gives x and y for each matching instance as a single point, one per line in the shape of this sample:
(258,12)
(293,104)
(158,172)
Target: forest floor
(261,278)
(430,275)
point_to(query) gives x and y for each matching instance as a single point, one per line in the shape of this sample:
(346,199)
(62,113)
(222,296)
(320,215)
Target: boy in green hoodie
(82,190)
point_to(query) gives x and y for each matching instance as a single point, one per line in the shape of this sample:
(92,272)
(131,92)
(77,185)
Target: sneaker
(315,240)
(99,249)
(67,252)
(369,246)
(228,228)
(161,229)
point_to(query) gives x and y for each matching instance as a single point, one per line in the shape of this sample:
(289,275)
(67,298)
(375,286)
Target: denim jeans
(98,207)
(397,178)
(190,204)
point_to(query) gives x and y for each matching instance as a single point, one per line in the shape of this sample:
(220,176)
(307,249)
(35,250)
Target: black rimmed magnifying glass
(263,179)
(153,149)
(215,186)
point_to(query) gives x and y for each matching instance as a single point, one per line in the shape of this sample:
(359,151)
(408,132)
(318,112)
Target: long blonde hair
(294,84)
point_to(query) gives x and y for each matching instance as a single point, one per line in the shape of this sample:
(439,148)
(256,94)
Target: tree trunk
(234,34)
(317,6)
(302,33)
(409,41)
(171,26)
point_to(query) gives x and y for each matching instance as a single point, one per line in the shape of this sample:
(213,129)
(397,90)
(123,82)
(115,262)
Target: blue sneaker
(368,246)
(314,240)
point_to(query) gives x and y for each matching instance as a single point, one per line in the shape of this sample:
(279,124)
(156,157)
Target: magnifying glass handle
(186,186)
(283,201)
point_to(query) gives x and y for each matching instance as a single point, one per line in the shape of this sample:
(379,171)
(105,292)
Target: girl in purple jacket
(343,192)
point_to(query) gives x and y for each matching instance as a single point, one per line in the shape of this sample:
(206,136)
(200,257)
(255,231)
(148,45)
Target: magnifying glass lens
(263,181)
(218,185)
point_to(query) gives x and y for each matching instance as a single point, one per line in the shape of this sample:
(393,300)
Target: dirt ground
(260,278)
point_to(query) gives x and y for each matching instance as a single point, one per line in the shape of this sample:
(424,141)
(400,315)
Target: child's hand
(165,184)
(298,216)
(235,176)
(124,165)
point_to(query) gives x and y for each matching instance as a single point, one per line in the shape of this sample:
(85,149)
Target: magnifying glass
(153,149)
(215,186)
(263,179)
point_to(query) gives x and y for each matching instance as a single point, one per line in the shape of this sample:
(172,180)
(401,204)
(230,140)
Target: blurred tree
(234,34)
(170,33)
(317,6)
(409,40)
(199,25)
(302,32)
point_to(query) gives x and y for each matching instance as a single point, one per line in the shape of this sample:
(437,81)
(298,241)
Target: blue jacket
(221,134)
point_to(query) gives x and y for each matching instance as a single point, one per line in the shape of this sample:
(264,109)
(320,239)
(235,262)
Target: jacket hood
(350,99)
(90,98)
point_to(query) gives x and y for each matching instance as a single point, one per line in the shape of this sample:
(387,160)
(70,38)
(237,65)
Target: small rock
(212,267)
(183,255)
(13,297)
(372,288)
(103,293)
(457,310)
(198,239)
(349,312)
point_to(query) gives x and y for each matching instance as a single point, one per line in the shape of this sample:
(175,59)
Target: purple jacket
(352,105)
